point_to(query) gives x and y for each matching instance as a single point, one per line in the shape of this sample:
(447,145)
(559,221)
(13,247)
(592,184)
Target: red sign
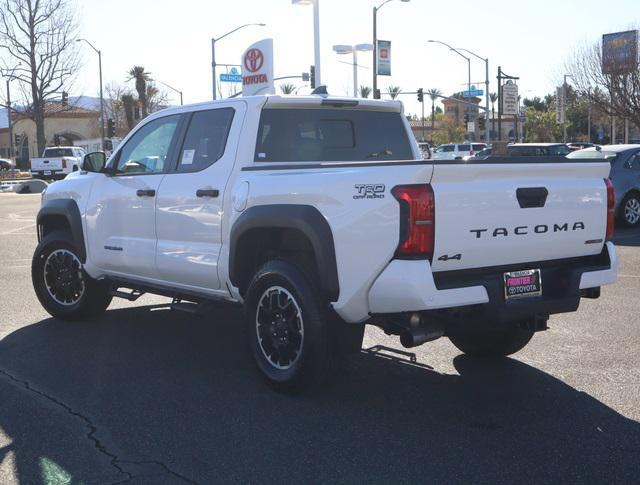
(384,53)
(253,60)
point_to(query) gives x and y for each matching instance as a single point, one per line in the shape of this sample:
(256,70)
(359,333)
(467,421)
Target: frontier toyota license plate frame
(522,284)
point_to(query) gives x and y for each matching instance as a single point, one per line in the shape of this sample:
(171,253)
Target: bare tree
(38,36)
(156,98)
(114,106)
(615,94)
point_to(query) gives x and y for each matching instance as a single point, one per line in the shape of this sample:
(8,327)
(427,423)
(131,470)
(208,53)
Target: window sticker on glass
(262,155)
(187,157)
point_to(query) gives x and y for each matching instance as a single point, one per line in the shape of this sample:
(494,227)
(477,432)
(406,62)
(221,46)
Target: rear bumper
(410,286)
(54,175)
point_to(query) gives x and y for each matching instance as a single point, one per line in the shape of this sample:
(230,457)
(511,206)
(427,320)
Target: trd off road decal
(369,191)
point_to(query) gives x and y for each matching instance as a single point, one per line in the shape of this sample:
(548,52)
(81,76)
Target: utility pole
(11,152)
(375,51)
(500,103)
(423,129)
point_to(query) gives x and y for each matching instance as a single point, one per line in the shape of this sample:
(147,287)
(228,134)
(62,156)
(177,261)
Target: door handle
(145,193)
(207,193)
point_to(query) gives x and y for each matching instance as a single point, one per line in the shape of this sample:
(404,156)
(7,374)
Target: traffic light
(111,128)
(17,139)
(481,123)
(65,98)
(466,119)
(312,76)
(56,140)
(420,95)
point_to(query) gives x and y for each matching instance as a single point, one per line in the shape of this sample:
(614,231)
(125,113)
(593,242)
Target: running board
(190,307)
(133,295)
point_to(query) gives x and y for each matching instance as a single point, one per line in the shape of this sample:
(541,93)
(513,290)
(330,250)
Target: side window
(448,148)
(146,151)
(634,162)
(463,148)
(206,139)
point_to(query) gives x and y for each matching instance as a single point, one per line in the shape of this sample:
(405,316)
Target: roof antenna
(322,90)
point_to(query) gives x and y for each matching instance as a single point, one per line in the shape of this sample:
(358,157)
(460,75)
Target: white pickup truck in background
(57,162)
(319,216)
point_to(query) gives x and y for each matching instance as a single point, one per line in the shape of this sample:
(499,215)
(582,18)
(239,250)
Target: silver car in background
(625,175)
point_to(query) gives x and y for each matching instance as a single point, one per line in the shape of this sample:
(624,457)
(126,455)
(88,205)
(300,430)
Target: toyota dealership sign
(257,69)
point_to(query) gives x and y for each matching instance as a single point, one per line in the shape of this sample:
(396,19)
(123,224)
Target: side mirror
(94,162)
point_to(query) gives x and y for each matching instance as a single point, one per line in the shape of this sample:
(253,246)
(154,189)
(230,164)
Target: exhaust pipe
(421,331)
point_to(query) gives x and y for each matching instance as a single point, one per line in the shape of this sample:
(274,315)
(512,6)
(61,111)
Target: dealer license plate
(522,284)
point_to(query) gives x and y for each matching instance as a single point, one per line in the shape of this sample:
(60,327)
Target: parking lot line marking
(629,276)
(17,229)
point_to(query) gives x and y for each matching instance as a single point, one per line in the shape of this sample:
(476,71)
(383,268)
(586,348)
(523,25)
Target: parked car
(481,155)
(457,151)
(57,162)
(579,145)
(625,176)
(537,150)
(318,216)
(6,164)
(425,150)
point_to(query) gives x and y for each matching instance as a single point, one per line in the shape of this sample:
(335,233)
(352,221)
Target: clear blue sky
(530,39)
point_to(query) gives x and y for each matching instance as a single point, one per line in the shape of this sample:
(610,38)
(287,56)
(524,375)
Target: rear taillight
(64,163)
(417,221)
(611,210)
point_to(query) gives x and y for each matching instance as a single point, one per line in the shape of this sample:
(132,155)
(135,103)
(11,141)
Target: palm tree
(141,77)
(493,97)
(287,88)
(394,91)
(365,91)
(434,94)
(128,103)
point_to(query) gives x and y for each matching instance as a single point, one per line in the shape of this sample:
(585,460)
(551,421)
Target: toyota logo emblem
(253,60)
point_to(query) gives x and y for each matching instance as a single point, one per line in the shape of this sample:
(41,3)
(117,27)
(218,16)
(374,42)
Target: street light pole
(101,95)
(316,36)
(213,53)
(353,49)
(172,89)
(486,94)
(9,119)
(375,45)
(468,59)
(564,110)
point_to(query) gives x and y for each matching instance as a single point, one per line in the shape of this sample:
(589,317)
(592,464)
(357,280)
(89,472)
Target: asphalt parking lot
(146,395)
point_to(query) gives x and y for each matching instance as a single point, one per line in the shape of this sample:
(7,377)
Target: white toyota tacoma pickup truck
(319,216)
(57,162)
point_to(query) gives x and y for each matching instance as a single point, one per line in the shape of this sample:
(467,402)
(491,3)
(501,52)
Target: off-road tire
(90,301)
(293,349)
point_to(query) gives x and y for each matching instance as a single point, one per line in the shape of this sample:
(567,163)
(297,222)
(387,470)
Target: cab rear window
(331,135)
(58,152)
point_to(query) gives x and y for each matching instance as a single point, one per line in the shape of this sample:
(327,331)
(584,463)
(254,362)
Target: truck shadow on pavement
(153,396)
(627,237)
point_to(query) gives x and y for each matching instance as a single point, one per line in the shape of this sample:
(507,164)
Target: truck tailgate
(496,214)
(39,164)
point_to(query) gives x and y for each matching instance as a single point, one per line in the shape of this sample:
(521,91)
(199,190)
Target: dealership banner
(257,69)
(384,57)
(620,52)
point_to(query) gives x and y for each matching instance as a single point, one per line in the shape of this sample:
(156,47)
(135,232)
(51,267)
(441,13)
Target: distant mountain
(4,121)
